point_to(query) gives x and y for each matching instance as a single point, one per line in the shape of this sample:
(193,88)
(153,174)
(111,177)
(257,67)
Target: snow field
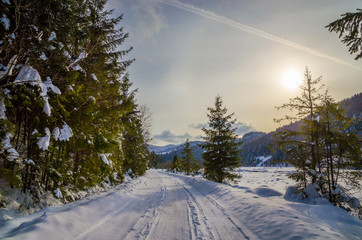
(163,205)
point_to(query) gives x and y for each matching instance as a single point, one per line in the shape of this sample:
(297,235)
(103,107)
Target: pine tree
(341,148)
(188,159)
(323,145)
(222,151)
(70,133)
(349,26)
(153,163)
(306,139)
(175,166)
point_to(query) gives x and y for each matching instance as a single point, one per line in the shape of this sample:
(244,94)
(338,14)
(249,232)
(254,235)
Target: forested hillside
(258,144)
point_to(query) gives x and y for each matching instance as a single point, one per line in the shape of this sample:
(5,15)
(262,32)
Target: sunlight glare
(292,79)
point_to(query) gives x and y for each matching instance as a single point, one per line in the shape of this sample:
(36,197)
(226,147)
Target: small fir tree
(222,150)
(175,166)
(188,158)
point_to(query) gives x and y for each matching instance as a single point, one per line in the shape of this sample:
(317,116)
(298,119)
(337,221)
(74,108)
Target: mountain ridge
(256,143)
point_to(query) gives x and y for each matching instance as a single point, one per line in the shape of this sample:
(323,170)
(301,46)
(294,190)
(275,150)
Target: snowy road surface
(162,205)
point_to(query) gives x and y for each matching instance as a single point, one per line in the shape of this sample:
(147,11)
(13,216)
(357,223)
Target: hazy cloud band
(252,30)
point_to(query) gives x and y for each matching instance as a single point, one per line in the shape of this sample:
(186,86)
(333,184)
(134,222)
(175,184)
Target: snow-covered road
(162,205)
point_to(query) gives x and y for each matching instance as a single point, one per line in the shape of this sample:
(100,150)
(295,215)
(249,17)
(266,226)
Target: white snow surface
(30,75)
(58,193)
(5,21)
(163,205)
(56,133)
(12,154)
(104,157)
(52,36)
(43,57)
(43,142)
(65,133)
(262,160)
(48,84)
(94,77)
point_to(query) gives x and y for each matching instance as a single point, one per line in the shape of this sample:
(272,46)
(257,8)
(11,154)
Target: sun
(291,79)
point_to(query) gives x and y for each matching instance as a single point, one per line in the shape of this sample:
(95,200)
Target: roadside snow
(163,205)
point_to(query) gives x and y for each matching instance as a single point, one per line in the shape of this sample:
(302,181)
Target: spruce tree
(175,166)
(188,159)
(222,149)
(65,99)
(349,26)
(153,163)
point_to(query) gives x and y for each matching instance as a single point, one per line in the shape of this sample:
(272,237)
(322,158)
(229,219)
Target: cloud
(243,128)
(168,136)
(251,30)
(198,125)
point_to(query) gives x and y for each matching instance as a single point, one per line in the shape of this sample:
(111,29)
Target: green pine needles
(68,116)
(222,149)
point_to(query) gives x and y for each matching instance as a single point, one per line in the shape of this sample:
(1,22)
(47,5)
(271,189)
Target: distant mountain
(353,105)
(167,153)
(163,149)
(256,145)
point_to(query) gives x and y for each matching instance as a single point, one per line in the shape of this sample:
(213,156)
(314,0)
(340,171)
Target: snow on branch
(9,69)
(65,133)
(43,142)
(76,66)
(31,76)
(104,157)
(8,148)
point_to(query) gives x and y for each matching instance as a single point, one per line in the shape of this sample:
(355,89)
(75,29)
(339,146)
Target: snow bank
(152,203)
(264,211)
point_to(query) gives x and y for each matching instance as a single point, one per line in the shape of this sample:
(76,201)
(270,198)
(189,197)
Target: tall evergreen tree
(66,106)
(323,144)
(188,160)
(222,152)
(307,138)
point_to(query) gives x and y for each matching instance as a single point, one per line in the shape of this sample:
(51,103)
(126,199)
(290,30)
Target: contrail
(252,30)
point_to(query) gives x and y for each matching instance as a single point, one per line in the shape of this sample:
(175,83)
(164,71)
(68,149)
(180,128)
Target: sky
(188,52)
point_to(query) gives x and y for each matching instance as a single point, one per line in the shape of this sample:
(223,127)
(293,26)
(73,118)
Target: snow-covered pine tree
(222,150)
(76,46)
(96,97)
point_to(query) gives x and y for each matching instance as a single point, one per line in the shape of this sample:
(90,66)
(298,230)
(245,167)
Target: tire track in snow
(241,227)
(148,222)
(246,233)
(128,188)
(195,213)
